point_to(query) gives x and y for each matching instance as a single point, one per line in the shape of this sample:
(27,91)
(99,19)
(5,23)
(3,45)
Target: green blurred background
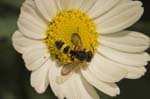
(15,79)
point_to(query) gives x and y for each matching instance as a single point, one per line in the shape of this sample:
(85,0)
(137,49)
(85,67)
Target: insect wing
(68,68)
(76,40)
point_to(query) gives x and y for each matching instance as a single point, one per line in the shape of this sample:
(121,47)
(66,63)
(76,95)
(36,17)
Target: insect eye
(89,56)
(81,55)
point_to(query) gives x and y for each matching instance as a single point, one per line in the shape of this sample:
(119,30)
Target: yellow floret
(63,25)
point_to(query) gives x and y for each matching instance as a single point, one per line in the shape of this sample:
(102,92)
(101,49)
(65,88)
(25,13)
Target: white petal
(70,4)
(120,17)
(48,8)
(106,70)
(30,22)
(21,43)
(108,88)
(86,5)
(128,41)
(35,56)
(135,72)
(39,78)
(75,87)
(100,7)
(53,74)
(135,59)
(123,1)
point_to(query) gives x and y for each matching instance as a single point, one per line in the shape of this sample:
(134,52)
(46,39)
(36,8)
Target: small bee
(78,53)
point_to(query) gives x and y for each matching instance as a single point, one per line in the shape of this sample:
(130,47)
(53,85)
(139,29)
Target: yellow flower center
(71,36)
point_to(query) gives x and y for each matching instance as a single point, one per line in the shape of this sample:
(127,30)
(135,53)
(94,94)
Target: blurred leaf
(15,3)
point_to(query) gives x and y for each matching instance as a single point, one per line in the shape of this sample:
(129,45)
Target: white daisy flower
(78,45)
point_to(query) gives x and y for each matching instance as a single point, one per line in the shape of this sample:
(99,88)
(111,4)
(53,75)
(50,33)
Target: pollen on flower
(60,33)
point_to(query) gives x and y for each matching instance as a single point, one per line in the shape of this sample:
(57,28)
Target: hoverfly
(78,53)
